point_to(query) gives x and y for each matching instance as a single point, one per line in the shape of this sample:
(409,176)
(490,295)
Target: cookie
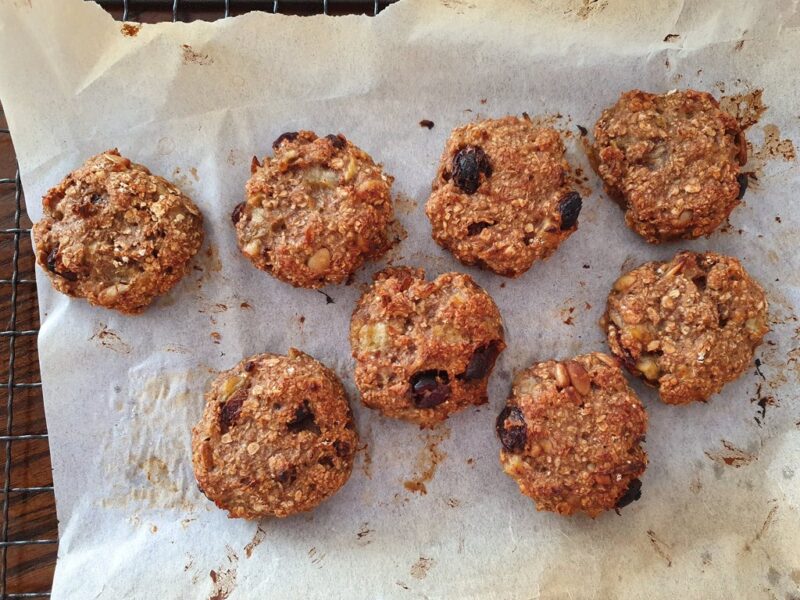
(687,326)
(424,349)
(571,435)
(276,437)
(672,161)
(501,199)
(315,210)
(115,234)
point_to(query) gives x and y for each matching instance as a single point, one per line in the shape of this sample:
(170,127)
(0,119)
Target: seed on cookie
(571,435)
(424,349)
(115,234)
(672,161)
(501,198)
(687,326)
(276,437)
(315,211)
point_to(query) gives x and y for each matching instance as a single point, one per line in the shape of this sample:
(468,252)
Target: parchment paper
(719,513)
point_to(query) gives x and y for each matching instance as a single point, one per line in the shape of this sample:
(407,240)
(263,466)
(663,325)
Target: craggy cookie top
(687,326)
(315,211)
(571,434)
(115,234)
(424,349)
(276,437)
(672,160)
(501,199)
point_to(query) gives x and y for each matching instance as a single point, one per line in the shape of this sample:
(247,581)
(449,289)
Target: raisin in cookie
(571,435)
(687,326)
(315,211)
(115,234)
(672,161)
(501,199)
(424,349)
(276,437)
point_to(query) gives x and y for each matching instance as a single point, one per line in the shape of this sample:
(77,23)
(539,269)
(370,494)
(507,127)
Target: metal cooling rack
(28,534)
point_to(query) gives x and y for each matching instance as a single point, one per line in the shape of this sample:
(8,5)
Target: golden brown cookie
(115,234)
(571,435)
(687,326)
(672,161)
(501,198)
(276,437)
(424,349)
(315,211)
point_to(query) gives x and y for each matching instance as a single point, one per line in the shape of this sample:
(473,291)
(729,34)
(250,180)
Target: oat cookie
(501,198)
(571,435)
(424,349)
(115,234)
(276,437)
(687,326)
(315,211)
(672,161)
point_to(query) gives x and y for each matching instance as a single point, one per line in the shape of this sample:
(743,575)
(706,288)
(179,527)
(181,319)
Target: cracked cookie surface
(276,437)
(501,199)
(424,349)
(687,326)
(672,161)
(315,211)
(115,234)
(571,435)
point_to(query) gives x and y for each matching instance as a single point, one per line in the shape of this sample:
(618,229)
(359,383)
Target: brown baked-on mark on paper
(276,437)
(672,161)
(315,211)
(115,234)
(501,198)
(686,326)
(571,435)
(424,349)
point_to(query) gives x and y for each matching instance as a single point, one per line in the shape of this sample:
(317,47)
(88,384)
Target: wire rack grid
(28,532)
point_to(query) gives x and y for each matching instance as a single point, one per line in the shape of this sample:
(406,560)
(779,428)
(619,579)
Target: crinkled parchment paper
(425,514)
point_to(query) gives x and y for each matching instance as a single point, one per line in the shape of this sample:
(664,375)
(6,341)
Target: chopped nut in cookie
(571,435)
(315,211)
(116,234)
(672,161)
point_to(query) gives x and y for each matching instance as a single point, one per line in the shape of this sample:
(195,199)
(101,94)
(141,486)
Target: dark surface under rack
(28,531)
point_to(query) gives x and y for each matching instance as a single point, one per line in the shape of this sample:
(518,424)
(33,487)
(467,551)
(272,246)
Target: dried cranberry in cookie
(501,198)
(424,349)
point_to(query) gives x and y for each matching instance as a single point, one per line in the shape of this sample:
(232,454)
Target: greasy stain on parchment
(223,578)
(108,338)
(747,108)
(258,537)
(730,455)
(151,468)
(429,457)
(404,205)
(419,570)
(774,147)
(192,57)
(583,9)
